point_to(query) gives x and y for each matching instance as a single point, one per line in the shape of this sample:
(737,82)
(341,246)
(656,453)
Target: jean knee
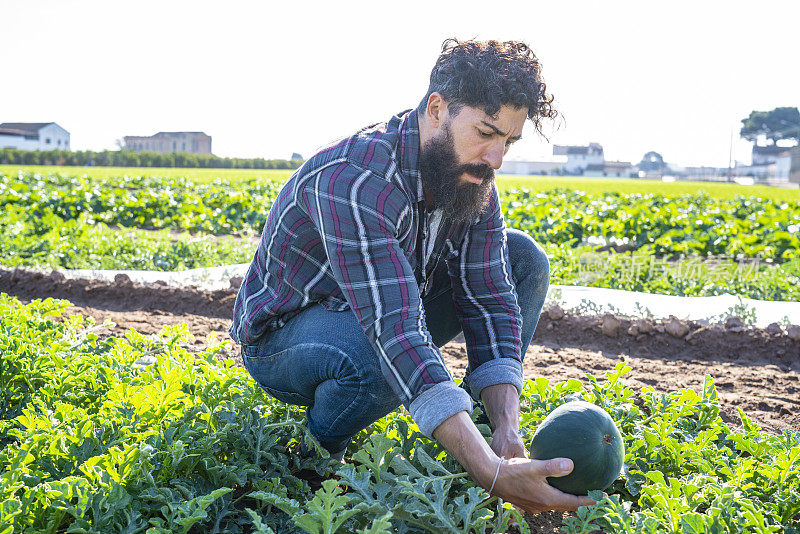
(528,259)
(379,396)
(344,408)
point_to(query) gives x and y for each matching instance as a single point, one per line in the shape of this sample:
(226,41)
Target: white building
(701,173)
(33,136)
(771,163)
(794,171)
(530,167)
(169,142)
(764,155)
(611,169)
(580,157)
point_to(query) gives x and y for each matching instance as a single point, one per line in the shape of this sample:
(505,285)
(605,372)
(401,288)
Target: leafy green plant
(93,443)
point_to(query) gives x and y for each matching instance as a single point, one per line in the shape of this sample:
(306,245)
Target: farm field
(198,176)
(159,426)
(123,409)
(599,186)
(504,182)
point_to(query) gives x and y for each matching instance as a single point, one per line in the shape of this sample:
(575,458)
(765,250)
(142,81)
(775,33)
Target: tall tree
(652,161)
(780,123)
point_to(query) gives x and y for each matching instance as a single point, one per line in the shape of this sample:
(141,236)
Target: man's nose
(493,156)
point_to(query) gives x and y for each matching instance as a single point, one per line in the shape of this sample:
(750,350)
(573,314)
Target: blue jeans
(322,359)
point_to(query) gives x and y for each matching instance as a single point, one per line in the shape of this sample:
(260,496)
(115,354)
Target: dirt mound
(757,370)
(673,338)
(121,295)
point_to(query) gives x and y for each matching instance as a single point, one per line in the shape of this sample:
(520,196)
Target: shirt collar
(409,152)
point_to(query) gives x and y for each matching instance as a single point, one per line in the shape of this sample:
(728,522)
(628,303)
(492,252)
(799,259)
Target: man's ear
(436,110)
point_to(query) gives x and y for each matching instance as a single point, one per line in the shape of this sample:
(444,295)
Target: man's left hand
(507,442)
(502,407)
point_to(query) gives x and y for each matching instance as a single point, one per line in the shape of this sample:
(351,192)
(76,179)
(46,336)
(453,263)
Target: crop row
(57,222)
(655,224)
(50,242)
(144,202)
(136,434)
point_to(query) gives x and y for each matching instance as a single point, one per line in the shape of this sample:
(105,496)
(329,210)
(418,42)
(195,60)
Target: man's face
(458,164)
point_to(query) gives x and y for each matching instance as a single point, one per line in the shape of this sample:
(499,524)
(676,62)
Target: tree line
(776,125)
(126,158)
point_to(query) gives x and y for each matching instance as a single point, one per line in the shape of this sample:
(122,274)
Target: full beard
(441,173)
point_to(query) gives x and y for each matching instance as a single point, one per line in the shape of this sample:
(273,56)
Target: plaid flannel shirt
(346,231)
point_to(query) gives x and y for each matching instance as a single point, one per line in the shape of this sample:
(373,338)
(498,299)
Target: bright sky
(269,78)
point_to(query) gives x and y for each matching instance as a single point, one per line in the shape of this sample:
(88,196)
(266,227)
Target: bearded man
(385,246)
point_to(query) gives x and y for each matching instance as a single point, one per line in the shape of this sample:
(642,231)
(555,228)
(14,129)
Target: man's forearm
(502,405)
(462,440)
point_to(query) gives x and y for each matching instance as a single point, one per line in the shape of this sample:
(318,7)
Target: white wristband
(502,459)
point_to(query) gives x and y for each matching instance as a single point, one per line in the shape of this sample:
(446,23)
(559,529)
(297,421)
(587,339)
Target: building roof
(609,166)
(769,150)
(179,133)
(577,150)
(164,134)
(617,164)
(573,150)
(27,127)
(13,131)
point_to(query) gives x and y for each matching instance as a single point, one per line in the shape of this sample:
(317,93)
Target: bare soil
(757,370)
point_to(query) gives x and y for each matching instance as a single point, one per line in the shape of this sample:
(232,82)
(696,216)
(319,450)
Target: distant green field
(592,186)
(595,186)
(201,176)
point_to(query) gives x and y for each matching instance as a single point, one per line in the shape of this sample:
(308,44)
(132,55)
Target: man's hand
(502,407)
(524,483)
(507,442)
(520,481)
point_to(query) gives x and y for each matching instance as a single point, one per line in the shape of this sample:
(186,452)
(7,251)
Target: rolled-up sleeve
(486,301)
(357,213)
(437,404)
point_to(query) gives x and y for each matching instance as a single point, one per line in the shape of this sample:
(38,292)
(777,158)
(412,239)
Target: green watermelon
(586,434)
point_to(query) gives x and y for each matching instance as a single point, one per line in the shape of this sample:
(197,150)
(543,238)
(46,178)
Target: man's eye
(484,134)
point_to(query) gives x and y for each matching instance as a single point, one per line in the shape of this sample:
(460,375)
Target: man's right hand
(521,482)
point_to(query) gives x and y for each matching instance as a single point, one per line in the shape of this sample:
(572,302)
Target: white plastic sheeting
(585,299)
(211,278)
(636,304)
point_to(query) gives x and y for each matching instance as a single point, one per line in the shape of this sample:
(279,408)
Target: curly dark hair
(489,75)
